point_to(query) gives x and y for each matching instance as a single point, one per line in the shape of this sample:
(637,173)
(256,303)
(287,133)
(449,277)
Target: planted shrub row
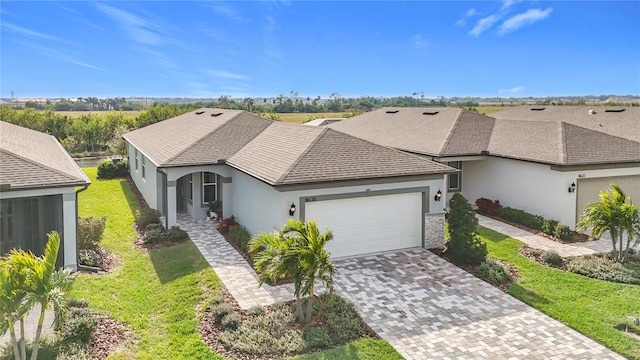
(146,216)
(156,233)
(240,236)
(109,169)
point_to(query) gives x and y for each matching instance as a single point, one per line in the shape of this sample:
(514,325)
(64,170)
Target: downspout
(77,218)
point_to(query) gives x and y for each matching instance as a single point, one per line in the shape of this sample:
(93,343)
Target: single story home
(38,182)
(546,160)
(374,198)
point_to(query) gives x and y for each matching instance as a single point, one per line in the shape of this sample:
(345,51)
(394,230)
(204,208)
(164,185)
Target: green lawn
(593,307)
(157,293)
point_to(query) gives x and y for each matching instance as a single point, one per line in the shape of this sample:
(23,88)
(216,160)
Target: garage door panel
(369,224)
(589,189)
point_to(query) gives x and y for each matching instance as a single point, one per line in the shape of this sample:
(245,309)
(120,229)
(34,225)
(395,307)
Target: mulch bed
(108,259)
(577,237)
(472,269)
(136,192)
(109,337)
(537,256)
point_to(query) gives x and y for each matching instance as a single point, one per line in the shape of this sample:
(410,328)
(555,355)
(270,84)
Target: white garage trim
(408,217)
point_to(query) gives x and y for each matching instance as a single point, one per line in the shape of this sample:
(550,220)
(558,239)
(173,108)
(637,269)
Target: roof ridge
(450,134)
(205,135)
(305,152)
(563,142)
(11,153)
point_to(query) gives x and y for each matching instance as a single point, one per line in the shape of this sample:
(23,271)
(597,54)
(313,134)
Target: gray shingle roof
(31,159)
(197,137)
(295,154)
(428,131)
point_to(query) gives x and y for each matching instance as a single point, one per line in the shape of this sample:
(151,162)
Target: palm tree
(43,285)
(12,294)
(297,252)
(616,214)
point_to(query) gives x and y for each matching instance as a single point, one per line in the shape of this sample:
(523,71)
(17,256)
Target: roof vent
(614,110)
(216,114)
(430,112)
(591,111)
(537,109)
(200,112)
(392,111)
(484,152)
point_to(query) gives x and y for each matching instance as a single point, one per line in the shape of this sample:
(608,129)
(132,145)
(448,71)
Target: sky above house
(316,48)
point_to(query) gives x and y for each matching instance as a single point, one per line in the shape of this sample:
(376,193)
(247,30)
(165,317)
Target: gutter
(77,217)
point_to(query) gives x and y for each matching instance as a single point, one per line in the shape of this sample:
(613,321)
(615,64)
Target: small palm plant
(298,252)
(27,280)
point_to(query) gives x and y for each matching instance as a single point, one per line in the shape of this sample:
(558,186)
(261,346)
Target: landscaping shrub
(230,321)
(88,257)
(343,323)
(75,351)
(218,299)
(90,231)
(486,206)
(521,217)
(175,234)
(549,226)
(154,226)
(494,272)
(317,338)
(604,268)
(563,232)
(146,216)
(552,257)
(226,224)
(78,325)
(109,169)
(77,303)
(240,236)
(154,236)
(256,310)
(219,311)
(463,247)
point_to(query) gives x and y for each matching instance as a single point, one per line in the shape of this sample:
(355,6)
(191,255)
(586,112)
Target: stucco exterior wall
(147,185)
(261,208)
(532,187)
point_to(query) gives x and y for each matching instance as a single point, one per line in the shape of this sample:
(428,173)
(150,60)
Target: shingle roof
(197,137)
(31,159)
(428,131)
(295,154)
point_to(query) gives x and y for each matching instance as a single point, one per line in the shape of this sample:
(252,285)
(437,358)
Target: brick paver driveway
(427,308)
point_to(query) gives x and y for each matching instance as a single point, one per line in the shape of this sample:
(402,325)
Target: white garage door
(589,188)
(369,224)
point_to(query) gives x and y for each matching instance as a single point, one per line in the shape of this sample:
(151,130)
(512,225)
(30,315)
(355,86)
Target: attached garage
(588,189)
(368,224)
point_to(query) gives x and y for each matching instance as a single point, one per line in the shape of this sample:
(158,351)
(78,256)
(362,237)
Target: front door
(180,196)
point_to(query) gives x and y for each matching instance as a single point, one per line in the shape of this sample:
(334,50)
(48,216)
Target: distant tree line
(86,104)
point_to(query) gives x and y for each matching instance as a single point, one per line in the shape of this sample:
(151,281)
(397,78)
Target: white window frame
(191,189)
(214,184)
(136,159)
(457,176)
(144,167)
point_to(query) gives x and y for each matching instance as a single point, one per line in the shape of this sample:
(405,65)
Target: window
(144,162)
(136,159)
(190,189)
(208,187)
(455,179)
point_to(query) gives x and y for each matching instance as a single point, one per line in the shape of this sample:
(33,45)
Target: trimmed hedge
(487,206)
(146,216)
(109,169)
(518,216)
(90,231)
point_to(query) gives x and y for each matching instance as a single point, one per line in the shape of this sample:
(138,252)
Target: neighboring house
(38,182)
(373,197)
(323,121)
(546,160)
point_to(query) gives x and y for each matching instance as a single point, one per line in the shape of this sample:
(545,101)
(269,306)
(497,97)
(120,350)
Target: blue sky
(355,48)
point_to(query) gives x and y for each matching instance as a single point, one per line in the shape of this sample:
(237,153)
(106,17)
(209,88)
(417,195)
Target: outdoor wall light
(572,187)
(292,209)
(438,196)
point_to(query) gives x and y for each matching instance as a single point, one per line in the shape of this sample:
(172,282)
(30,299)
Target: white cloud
(227,11)
(61,56)
(527,18)
(136,28)
(30,33)
(509,3)
(463,21)
(419,41)
(484,24)
(471,12)
(225,74)
(511,92)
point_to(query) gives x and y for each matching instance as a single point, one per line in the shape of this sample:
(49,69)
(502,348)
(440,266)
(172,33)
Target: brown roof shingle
(31,159)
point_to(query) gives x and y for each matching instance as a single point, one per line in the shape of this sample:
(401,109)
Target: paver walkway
(31,324)
(542,243)
(422,305)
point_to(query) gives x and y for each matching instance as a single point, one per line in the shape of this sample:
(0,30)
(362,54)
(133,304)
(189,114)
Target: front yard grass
(593,307)
(156,292)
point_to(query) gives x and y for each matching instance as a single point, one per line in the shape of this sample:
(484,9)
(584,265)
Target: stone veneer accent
(434,231)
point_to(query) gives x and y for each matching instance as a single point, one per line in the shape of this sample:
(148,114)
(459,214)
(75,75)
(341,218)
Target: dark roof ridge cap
(450,134)
(43,166)
(285,173)
(204,136)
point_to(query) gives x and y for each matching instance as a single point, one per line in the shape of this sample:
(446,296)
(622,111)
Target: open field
(300,118)
(486,110)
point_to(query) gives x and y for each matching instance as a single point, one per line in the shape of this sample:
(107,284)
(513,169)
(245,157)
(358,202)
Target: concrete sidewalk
(31,324)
